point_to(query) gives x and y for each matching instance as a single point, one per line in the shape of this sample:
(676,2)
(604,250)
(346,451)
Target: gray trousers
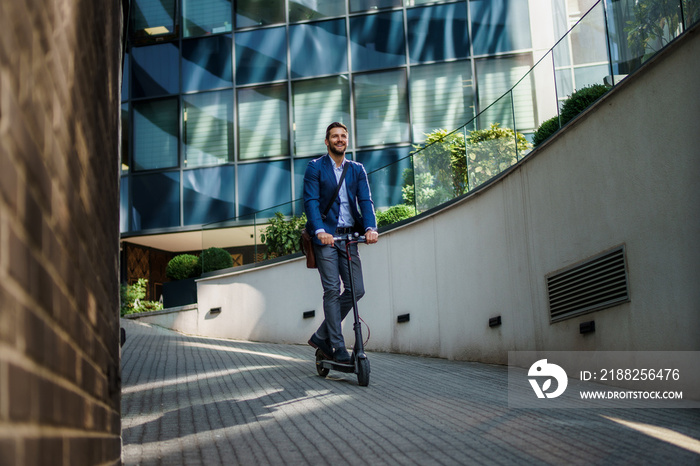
(333,268)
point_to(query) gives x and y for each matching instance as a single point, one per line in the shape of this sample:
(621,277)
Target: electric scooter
(359,364)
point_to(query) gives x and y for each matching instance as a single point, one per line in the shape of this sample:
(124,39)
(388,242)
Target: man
(320,181)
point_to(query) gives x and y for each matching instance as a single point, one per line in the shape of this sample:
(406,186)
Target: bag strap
(337,190)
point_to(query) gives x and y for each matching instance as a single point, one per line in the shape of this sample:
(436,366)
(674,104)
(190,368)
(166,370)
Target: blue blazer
(319,186)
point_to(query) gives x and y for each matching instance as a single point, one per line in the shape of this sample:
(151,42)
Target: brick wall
(59,232)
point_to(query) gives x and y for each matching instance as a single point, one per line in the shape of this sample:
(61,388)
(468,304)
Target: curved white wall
(626,172)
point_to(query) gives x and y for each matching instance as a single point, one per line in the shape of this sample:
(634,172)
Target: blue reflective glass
(304,10)
(377,41)
(274,176)
(208,195)
(124,205)
(202,17)
(381,108)
(299,170)
(438,32)
(155,70)
(318,48)
(364,5)
(155,134)
(385,168)
(152,20)
(126,77)
(156,201)
(263,129)
(206,63)
(500,26)
(208,128)
(258,13)
(261,56)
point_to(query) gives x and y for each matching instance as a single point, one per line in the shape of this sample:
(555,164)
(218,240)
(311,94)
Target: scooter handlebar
(355,237)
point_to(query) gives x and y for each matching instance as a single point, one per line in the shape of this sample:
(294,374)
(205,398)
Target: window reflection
(495,76)
(259,12)
(261,56)
(208,128)
(438,32)
(364,5)
(155,134)
(206,63)
(155,70)
(262,122)
(156,201)
(208,195)
(382,110)
(500,26)
(303,10)
(153,20)
(316,104)
(252,176)
(318,48)
(377,41)
(201,17)
(387,181)
(442,97)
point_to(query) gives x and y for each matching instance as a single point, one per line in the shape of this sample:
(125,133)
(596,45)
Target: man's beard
(332,149)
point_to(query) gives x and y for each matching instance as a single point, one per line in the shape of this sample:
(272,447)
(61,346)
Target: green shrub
(132,299)
(182,267)
(283,236)
(546,129)
(214,259)
(395,214)
(580,101)
(492,150)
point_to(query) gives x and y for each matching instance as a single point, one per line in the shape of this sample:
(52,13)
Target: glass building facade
(225,102)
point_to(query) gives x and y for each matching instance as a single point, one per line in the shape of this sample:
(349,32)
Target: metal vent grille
(592,285)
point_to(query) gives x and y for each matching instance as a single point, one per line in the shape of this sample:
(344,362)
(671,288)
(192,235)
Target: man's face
(337,141)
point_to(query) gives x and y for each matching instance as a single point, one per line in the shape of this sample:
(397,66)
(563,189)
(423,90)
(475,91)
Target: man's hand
(371,236)
(325,238)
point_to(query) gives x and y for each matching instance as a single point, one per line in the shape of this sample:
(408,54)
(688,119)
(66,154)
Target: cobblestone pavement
(192,400)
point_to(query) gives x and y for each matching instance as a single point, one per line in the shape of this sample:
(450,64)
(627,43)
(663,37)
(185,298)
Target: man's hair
(335,124)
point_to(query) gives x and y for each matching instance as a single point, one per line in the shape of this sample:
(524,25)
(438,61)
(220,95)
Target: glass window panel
(310,44)
(442,96)
(206,63)
(317,103)
(126,77)
(208,195)
(261,56)
(258,12)
(156,201)
(125,138)
(377,41)
(155,70)
(208,128)
(264,185)
(589,75)
(385,170)
(438,32)
(202,17)
(299,170)
(495,76)
(588,41)
(381,108)
(364,5)
(124,205)
(262,122)
(155,134)
(500,26)
(153,20)
(304,10)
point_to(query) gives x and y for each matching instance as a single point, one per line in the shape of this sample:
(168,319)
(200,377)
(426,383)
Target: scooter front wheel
(322,371)
(363,372)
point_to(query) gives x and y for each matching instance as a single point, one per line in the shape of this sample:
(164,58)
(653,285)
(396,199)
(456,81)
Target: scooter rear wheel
(322,371)
(363,372)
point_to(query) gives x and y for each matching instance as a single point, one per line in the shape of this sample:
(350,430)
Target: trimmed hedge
(546,129)
(580,101)
(182,267)
(214,259)
(395,214)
